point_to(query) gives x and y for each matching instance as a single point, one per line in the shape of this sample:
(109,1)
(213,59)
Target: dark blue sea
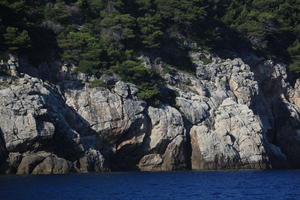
(241,185)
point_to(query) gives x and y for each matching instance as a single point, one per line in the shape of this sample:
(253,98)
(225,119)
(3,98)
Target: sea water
(269,185)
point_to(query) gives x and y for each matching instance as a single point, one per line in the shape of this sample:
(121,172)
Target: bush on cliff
(99,35)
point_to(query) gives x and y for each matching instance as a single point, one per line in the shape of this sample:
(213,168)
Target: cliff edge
(239,113)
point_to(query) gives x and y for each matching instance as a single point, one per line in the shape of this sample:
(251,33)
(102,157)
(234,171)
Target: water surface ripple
(269,185)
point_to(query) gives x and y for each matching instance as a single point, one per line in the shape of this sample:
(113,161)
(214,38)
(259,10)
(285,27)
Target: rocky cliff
(231,114)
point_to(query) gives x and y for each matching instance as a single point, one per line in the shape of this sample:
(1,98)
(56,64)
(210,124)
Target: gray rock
(12,163)
(233,141)
(109,114)
(34,117)
(294,94)
(53,165)
(166,142)
(117,117)
(93,161)
(151,162)
(195,111)
(29,162)
(237,115)
(109,79)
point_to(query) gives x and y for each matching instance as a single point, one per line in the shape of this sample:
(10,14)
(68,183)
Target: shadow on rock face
(226,117)
(38,126)
(279,116)
(3,152)
(244,123)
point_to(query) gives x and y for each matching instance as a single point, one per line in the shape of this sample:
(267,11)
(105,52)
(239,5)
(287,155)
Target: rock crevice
(229,115)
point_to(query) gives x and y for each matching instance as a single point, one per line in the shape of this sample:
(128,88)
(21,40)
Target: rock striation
(41,133)
(237,113)
(233,140)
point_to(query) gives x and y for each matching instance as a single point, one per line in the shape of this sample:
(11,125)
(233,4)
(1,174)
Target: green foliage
(206,61)
(184,12)
(17,6)
(57,12)
(16,39)
(74,44)
(4,57)
(149,93)
(271,25)
(168,70)
(97,83)
(150,31)
(93,55)
(294,51)
(101,36)
(120,27)
(145,79)
(4,73)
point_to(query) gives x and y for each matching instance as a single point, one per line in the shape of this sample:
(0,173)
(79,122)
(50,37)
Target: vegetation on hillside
(101,36)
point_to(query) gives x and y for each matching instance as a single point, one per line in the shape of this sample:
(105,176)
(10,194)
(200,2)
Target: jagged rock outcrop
(166,149)
(34,118)
(111,114)
(133,136)
(260,87)
(233,140)
(233,113)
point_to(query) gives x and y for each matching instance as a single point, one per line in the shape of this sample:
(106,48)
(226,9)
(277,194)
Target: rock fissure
(228,116)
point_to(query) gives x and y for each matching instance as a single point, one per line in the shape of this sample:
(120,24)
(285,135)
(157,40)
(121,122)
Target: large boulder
(43,163)
(92,161)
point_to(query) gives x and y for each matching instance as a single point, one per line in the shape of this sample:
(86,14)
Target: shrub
(16,39)
(145,79)
(188,82)
(4,57)
(97,83)
(206,61)
(5,73)
(294,51)
(149,93)
(168,70)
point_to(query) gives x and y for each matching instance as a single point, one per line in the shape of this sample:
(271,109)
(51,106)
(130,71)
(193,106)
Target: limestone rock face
(34,118)
(195,110)
(295,94)
(234,140)
(260,87)
(93,161)
(131,134)
(29,162)
(166,142)
(110,114)
(116,116)
(232,113)
(278,112)
(38,163)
